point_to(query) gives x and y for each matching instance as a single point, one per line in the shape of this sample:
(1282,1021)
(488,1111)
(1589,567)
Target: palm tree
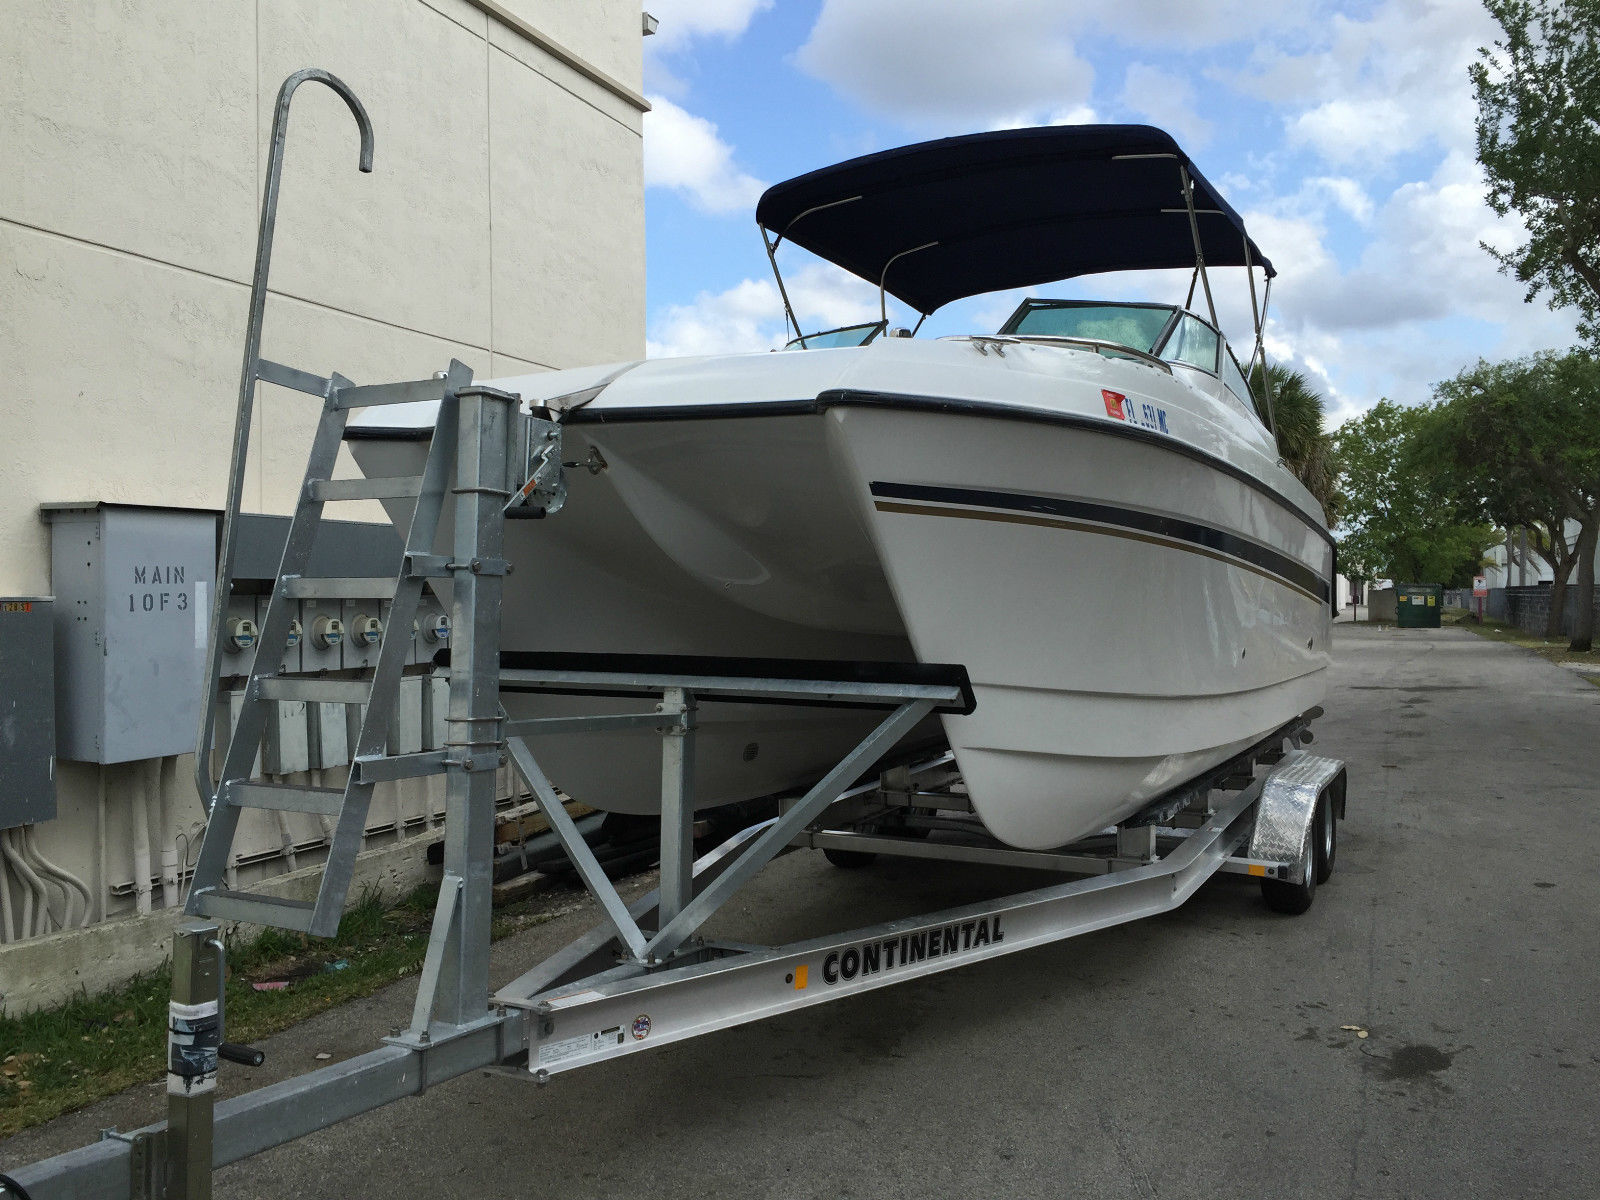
(1306,447)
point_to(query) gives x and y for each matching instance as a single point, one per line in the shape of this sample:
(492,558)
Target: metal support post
(474,743)
(776,836)
(677,802)
(1137,842)
(194,1032)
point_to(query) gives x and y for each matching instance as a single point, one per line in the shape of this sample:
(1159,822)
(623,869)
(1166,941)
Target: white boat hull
(1132,606)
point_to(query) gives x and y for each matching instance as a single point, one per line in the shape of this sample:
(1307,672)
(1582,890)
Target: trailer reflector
(1257,869)
(800,977)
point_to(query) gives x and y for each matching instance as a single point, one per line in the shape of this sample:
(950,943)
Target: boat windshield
(1137,326)
(848,335)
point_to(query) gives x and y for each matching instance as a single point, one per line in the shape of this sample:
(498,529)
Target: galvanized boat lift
(645,978)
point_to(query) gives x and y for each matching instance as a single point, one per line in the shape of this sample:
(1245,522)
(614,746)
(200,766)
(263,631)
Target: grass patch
(1554,650)
(60,1059)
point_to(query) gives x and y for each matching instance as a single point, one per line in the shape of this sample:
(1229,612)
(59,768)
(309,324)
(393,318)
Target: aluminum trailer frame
(645,979)
(605,996)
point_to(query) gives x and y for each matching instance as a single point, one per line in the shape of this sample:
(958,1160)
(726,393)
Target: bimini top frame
(942,220)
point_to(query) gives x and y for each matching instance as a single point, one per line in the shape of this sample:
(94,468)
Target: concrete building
(1510,565)
(502,225)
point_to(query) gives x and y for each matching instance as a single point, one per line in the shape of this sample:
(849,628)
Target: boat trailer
(646,977)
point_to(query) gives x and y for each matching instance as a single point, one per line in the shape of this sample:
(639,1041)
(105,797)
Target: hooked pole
(248,375)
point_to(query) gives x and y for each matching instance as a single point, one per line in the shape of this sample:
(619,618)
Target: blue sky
(1342,132)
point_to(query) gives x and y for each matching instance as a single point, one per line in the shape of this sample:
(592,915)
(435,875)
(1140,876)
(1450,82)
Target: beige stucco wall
(502,224)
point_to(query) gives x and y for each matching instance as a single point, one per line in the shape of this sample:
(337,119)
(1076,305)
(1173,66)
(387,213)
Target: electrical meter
(294,634)
(367,631)
(438,628)
(242,635)
(327,632)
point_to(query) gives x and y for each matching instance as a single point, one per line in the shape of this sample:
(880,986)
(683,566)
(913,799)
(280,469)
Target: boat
(1084,509)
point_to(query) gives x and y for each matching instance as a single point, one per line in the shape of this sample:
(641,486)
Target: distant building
(1508,566)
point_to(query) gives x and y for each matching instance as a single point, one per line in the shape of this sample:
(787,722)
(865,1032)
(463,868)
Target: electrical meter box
(133,589)
(27,712)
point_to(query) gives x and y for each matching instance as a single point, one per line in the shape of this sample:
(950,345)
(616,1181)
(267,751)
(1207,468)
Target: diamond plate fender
(1288,801)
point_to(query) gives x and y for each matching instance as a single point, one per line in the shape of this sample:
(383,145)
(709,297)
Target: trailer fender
(1289,803)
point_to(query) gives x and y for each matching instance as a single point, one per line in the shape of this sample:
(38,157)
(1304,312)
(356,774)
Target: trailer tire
(1325,829)
(849,860)
(1294,898)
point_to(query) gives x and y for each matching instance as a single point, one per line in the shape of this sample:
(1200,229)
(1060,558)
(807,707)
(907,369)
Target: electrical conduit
(139,795)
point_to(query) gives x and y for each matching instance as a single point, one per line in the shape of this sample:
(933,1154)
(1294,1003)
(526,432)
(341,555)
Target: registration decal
(1145,416)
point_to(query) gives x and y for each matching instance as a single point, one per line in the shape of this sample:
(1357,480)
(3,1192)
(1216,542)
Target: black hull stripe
(844,397)
(1094,517)
(592,415)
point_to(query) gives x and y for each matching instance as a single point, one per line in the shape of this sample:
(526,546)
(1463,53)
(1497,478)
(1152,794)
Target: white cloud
(682,21)
(682,24)
(1420,301)
(749,315)
(938,64)
(1166,100)
(1189,25)
(1346,194)
(950,65)
(1370,88)
(683,152)
(1355,131)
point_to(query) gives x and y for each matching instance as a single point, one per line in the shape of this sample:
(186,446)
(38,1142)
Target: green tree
(1303,440)
(1538,94)
(1401,519)
(1521,442)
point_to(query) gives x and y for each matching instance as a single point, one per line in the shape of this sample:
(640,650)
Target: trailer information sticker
(562,1049)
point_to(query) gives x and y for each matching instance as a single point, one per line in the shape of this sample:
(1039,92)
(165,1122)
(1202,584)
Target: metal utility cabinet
(27,712)
(133,602)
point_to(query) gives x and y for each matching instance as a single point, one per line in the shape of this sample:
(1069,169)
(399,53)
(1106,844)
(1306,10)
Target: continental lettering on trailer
(891,954)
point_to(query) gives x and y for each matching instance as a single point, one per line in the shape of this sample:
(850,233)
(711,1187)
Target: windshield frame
(1172,331)
(799,343)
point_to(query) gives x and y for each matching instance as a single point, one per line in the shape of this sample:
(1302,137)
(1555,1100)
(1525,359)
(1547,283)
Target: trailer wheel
(1294,898)
(1325,828)
(849,860)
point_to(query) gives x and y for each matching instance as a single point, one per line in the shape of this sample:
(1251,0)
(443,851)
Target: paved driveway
(1197,1054)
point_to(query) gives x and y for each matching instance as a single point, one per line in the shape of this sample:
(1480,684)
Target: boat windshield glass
(849,335)
(1194,343)
(1138,326)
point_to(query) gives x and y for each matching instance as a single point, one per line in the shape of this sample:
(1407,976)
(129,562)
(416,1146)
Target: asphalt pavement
(1202,1053)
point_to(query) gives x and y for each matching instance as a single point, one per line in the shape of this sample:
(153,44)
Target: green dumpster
(1418,605)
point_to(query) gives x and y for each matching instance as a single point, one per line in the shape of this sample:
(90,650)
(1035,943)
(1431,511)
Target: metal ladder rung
(371,395)
(302,587)
(290,377)
(386,768)
(286,797)
(256,908)
(315,691)
(397,487)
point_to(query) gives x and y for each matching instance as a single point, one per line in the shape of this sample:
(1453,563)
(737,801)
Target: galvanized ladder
(235,789)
